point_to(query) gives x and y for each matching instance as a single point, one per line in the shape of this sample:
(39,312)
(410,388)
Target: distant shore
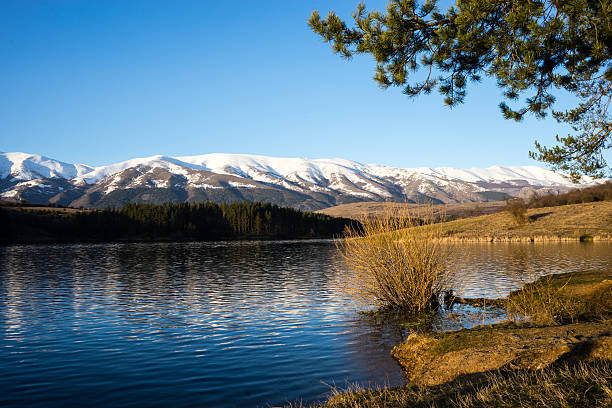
(170,222)
(528,239)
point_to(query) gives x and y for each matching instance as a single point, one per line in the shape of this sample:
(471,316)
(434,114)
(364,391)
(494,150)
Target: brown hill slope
(461,210)
(564,223)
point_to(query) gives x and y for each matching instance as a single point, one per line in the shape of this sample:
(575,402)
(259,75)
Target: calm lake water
(215,324)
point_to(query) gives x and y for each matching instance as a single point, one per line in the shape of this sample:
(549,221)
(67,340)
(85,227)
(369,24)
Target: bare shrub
(518,209)
(396,262)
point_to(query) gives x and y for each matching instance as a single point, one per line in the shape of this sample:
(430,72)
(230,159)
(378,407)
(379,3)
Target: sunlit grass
(579,385)
(558,299)
(565,222)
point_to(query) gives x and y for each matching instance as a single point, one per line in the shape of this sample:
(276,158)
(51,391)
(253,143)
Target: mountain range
(306,184)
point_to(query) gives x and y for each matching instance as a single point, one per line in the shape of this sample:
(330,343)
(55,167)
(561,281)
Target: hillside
(305,184)
(460,210)
(568,222)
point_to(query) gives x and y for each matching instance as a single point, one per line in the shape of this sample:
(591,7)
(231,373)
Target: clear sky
(101,81)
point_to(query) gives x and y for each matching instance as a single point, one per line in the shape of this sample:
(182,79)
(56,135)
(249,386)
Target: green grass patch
(476,337)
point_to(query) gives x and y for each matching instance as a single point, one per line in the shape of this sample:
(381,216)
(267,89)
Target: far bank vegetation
(170,221)
(517,207)
(601,192)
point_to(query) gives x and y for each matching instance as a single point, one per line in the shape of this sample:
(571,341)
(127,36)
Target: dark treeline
(180,221)
(601,192)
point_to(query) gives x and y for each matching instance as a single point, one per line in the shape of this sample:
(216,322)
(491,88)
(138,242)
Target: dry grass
(541,302)
(552,299)
(570,222)
(393,265)
(9,206)
(579,385)
(582,385)
(458,210)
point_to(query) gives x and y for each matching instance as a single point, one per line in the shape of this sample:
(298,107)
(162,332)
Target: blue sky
(100,81)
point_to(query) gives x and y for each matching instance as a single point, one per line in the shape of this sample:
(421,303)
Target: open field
(461,210)
(563,223)
(559,223)
(9,205)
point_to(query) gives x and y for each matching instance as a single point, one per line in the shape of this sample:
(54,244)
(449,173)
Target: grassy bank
(564,362)
(590,221)
(578,385)
(488,222)
(460,210)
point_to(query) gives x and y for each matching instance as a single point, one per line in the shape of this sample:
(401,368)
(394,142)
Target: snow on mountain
(24,166)
(496,174)
(253,166)
(532,174)
(297,182)
(275,169)
(166,162)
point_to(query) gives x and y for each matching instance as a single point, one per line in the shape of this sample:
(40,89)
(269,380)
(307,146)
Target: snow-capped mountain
(301,183)
(25,166)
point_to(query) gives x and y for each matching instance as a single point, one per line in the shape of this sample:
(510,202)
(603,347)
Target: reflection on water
(212,324)
(493,270)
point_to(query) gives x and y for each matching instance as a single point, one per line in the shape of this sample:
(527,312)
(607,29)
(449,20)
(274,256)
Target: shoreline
(449,367)
(449,240)
(526,239)
(169,241)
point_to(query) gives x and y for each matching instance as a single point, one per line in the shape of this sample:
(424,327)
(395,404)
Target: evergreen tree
(531,47)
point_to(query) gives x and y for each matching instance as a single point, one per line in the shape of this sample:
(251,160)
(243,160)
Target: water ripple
(214,324)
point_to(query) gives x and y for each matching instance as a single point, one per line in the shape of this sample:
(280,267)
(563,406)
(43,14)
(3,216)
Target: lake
(217,324)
